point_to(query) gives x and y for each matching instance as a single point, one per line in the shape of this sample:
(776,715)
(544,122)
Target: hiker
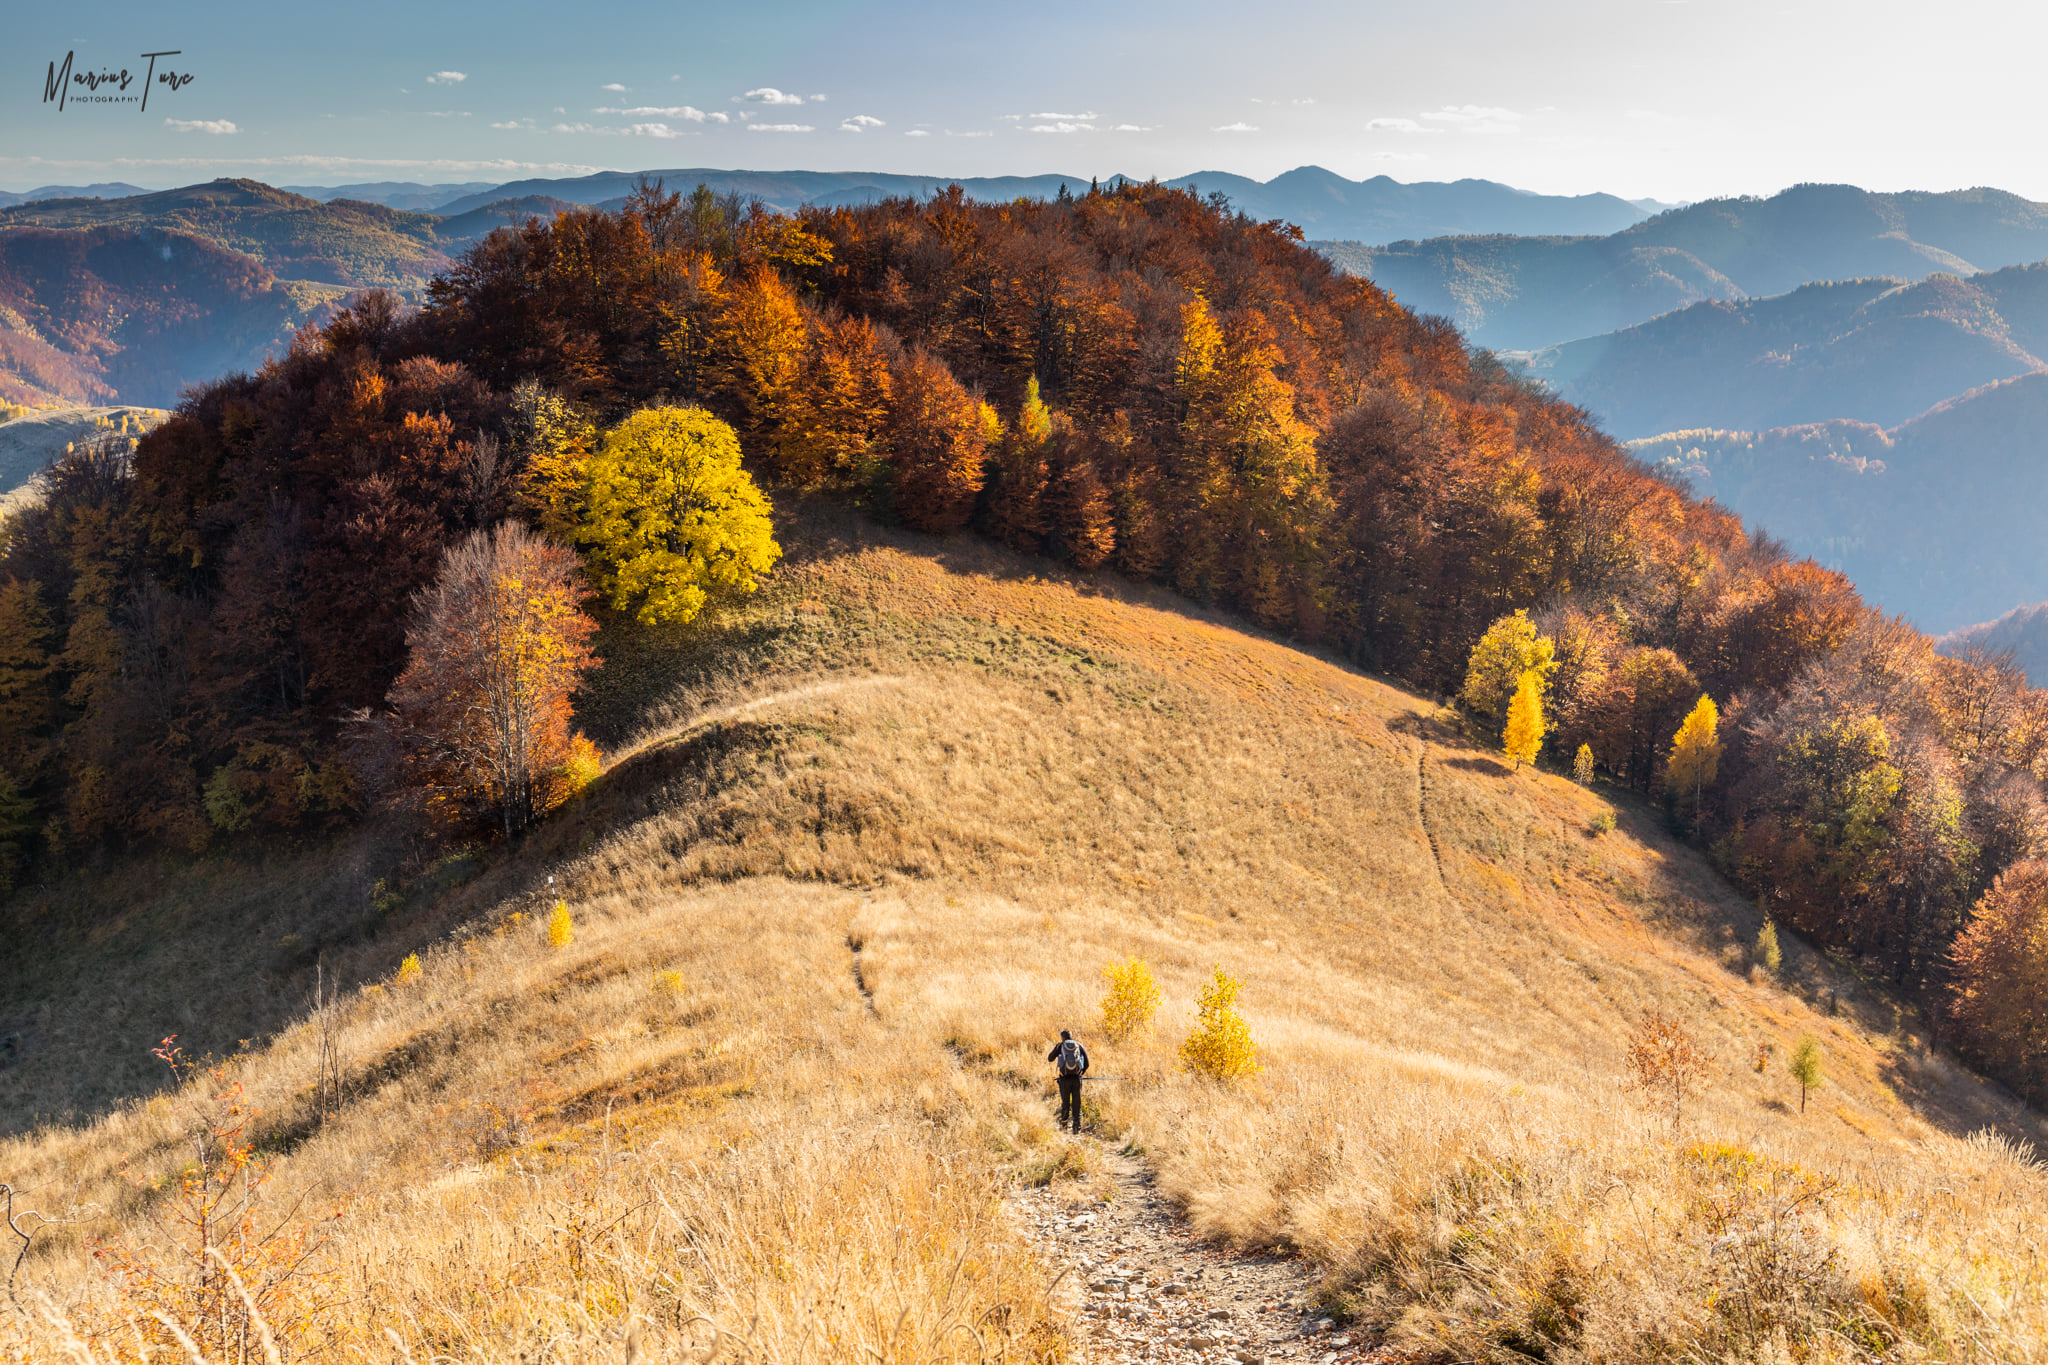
(1073,1064)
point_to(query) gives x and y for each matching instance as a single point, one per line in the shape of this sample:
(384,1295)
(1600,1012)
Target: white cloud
(1013,117)
(983,133)
(515,123)
(216,126)
(1062,127)
(1396,125)
(1238,127)
(447,78)
(817,99)
(917,132)
(780,128)
(767,94)
(1069,118)
(653,130)
(614,87)
(687,112)
(1477,118)
(1134,128)
(560,110)
(448,113)
(859,123)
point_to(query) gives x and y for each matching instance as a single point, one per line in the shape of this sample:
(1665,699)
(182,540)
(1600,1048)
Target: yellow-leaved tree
(1523,737)
(1131,1000)
(669,517)
(1696,751)
(1510,650)
(1221,1045)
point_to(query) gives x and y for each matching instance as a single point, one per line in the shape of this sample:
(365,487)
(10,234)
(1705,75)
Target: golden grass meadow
(863,846)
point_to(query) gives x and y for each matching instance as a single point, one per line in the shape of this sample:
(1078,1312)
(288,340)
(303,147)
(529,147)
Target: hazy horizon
(1671,100)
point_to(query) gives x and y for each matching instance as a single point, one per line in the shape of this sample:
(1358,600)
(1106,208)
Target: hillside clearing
(864,845)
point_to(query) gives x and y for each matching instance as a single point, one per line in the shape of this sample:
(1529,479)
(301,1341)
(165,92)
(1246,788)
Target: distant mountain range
(110,190)
(1322,203)
(1938,518)
(395,194)
(344,243)
(1527,293)
(1880,351)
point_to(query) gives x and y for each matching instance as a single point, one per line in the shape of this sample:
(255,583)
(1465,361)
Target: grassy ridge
(884,824)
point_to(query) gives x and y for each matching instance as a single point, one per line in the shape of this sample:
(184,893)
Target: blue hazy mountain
(1321,202)
(395,194)
(113,189)
(1525,293)
(1874,350)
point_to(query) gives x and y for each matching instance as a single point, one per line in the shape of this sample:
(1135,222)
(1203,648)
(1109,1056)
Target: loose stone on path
(1139,1287)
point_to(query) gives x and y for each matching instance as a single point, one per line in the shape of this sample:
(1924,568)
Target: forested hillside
(132,315)
(1527,293)
(1132,381)
(342,243)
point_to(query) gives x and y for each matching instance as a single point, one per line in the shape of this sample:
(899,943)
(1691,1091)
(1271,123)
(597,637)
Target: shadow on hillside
(221,951)
(1485,767)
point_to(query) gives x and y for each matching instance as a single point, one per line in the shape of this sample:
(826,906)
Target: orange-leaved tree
(939,435)
(2001,974)
(496,644)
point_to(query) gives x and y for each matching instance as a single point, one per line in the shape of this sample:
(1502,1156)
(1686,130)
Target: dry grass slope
(865,855)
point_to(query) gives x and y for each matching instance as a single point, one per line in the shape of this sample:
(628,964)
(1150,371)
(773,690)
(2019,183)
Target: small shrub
(1805,1066)
(670,984)
(1221,1046)
(409,970)
(583,766)
(1603,823)
(561,929)
(1664,1060)
(1582,766)
(1131,1000)
(1767,954)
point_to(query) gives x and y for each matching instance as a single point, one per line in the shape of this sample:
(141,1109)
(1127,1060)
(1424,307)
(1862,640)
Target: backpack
(1070,1058)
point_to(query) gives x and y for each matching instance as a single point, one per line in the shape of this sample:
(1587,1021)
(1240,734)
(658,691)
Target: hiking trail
(1138,1285)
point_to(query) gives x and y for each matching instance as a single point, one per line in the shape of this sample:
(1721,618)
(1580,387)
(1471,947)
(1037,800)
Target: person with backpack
(1072,1060)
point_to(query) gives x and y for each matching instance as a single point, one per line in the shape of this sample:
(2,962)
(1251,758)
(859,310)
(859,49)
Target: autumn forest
(242,628)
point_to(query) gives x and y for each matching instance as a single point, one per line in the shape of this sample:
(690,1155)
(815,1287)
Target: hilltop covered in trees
(1136,380)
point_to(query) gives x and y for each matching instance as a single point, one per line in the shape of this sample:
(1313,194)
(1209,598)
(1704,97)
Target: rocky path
(1140,1287)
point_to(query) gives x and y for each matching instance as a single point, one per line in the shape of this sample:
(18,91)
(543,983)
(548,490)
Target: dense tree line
(1135,379)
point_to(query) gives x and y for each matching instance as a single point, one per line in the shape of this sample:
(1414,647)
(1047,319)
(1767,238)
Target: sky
(1667,99)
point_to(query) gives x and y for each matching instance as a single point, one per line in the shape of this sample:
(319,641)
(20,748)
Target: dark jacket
(1054,1055)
